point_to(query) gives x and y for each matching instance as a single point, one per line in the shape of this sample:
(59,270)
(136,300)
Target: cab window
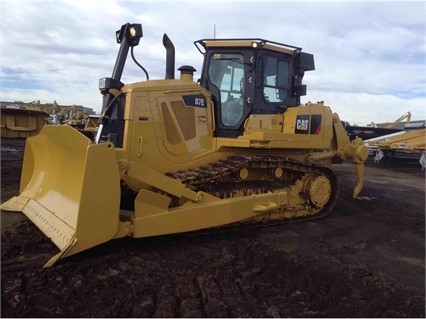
(275,79)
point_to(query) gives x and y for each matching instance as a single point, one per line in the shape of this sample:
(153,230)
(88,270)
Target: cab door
(226,78)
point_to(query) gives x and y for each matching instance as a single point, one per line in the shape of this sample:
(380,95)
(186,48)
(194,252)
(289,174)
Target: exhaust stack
(170,57)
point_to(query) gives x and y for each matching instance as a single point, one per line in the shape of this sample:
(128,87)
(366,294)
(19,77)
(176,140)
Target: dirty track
(366,259)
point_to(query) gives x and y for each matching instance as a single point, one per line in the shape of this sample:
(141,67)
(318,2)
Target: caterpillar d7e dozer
(174,155)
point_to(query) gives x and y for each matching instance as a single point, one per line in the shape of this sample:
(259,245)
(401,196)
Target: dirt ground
(366,259)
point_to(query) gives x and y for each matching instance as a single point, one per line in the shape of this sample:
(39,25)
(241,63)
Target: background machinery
(174,155)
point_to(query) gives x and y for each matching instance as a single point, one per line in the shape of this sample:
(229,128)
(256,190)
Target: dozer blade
(70,189)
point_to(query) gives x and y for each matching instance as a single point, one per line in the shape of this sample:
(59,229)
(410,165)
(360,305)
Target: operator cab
(251,76)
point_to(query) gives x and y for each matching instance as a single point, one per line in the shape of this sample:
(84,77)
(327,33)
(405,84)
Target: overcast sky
(369,56)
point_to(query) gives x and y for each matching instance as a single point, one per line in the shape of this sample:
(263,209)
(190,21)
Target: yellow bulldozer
(175,155)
